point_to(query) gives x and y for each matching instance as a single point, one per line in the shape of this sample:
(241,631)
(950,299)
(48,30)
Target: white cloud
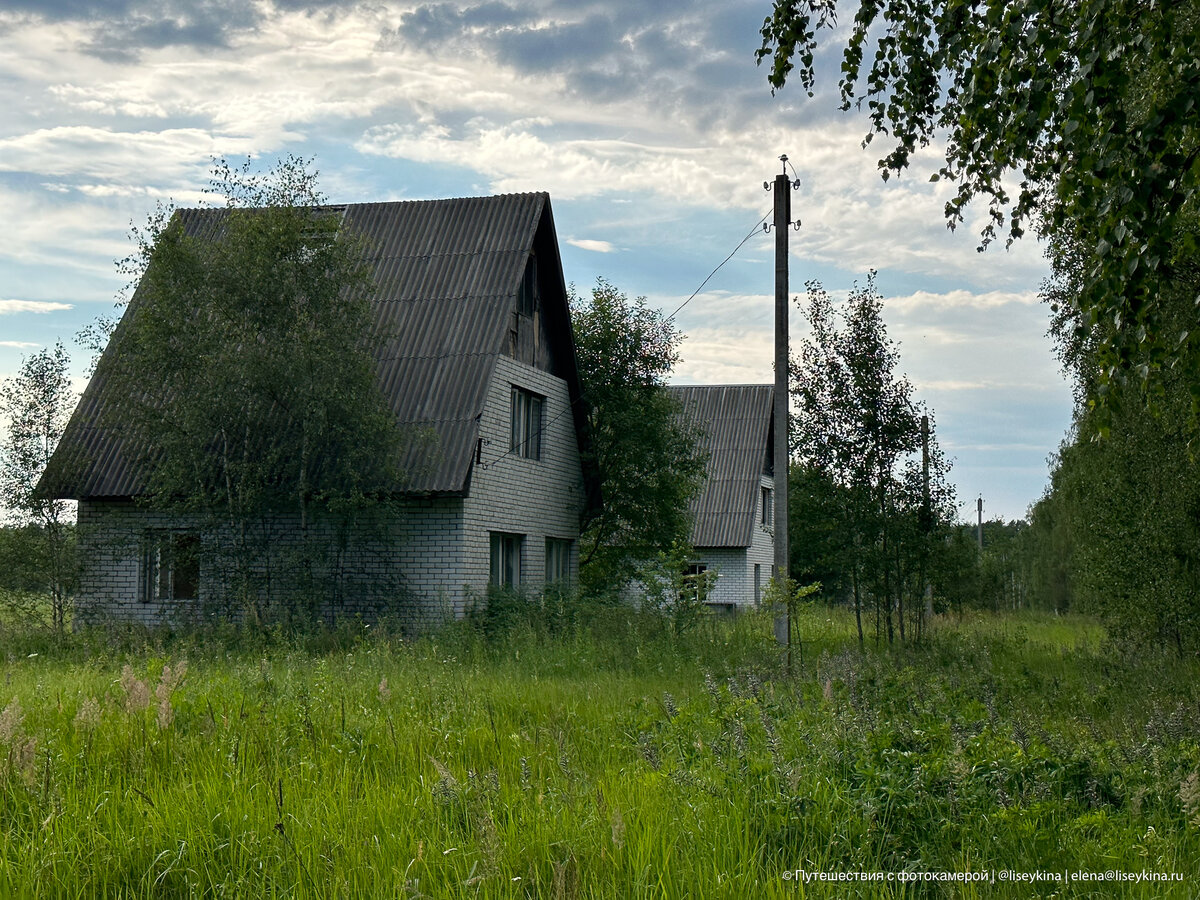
(987,384)
(726,355)
(124,157)
(9,307)
(18,345)
(594,246)
(960,299)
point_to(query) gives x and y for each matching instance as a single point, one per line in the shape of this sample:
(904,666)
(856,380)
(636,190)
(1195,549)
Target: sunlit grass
(616,761)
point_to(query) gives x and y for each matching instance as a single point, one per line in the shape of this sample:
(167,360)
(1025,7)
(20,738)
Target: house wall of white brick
(110,550)
(537,498)
(761,551)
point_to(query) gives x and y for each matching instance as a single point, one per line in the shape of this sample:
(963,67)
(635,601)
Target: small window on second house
(695,586)
(526,424)
(767,516)
(171,567)
(506,559)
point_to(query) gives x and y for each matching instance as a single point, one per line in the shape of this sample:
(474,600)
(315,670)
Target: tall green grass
(620,759)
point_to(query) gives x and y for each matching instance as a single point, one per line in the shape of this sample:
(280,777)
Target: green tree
(37,403)
(1090,108)
(855,429)
(264,403)
(650,466)
(817,531)
(1117,532)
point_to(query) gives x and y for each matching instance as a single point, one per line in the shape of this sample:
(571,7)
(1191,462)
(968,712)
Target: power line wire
(749,234)
(571,403)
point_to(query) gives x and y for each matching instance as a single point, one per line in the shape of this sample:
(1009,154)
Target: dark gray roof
(446,274)
(734,421)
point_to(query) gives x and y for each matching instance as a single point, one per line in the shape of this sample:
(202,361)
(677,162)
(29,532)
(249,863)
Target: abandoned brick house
(732,530)
(480,356)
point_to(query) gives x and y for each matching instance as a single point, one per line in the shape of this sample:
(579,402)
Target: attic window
(322,233)
(527,293)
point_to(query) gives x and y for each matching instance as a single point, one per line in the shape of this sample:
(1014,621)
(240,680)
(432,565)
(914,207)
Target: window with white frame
(696,579)
(171,566)
(506,559)
(526,424)
(767,516)
(558,561)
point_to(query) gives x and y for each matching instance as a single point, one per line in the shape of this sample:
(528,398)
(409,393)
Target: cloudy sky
(648,123)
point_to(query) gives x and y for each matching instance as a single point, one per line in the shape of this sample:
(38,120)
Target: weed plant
(592,753)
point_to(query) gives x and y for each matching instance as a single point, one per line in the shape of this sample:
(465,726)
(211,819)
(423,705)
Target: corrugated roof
(446,275)
(735,423)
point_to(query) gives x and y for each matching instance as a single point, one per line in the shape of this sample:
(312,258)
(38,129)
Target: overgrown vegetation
(263,427)
(616,759)
(875,503)
(1052,117)
(38,554)
(650,464)
(1118,530)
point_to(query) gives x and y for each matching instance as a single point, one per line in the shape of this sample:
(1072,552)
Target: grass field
(616,761)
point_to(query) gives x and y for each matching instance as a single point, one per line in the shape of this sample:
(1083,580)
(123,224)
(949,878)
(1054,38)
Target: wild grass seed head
(618,829)
(739,737)
(137,693)
(167,684)
(1189,796)
(710,685)
(649,751)
(87,716)
(10,721)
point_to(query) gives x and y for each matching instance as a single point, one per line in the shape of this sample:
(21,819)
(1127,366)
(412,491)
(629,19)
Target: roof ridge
(348,203)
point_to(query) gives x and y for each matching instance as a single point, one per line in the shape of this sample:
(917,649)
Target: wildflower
(669,705)
(385,692)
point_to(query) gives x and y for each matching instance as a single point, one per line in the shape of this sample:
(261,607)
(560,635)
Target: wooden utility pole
(783,221)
